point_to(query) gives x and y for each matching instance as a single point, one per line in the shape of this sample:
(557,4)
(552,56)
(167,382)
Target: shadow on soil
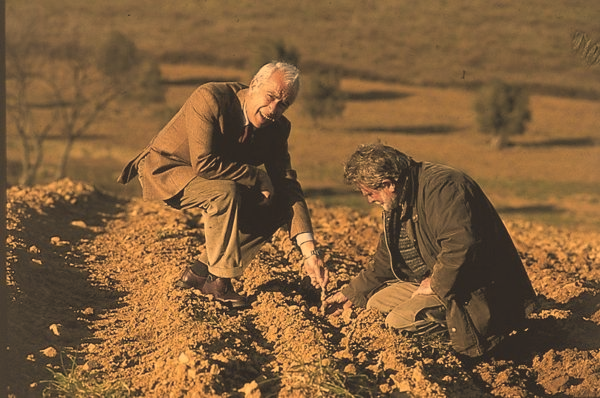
(530,209)
(374,95)
(561,142)
(431,129)
(197,81)
(54,296)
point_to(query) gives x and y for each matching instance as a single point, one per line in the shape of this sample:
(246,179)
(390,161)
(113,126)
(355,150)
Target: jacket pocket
(468,323)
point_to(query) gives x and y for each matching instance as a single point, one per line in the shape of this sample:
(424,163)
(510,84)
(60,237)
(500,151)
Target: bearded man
(445,259)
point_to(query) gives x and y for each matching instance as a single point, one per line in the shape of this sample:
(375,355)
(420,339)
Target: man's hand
(314,267)
(424,288)
(339,302)
(265,186)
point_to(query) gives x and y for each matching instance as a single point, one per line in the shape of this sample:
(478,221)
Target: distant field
(411,69)
(429,42)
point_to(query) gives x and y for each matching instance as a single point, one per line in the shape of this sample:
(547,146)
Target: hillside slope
(90,278)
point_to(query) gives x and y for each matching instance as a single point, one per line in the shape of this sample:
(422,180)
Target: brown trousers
(404,312)
(235,225)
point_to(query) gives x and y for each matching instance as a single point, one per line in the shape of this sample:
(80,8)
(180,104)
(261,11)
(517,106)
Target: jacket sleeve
(451,218)
(377,272)
(202,113)
(285,181)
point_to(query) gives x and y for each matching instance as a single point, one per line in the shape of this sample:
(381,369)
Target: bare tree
(60,89)
(31,123)
(80,95)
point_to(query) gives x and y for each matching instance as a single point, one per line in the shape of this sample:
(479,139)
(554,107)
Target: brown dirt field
(90,277)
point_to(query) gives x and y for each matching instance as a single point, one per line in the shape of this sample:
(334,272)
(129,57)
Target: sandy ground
(91,298)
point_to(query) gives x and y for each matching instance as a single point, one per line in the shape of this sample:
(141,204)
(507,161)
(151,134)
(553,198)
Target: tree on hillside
(24,86)
(125,65)
(321,96)
(59,91)
(502,111)
(320,93)
(275,50)
(79,96)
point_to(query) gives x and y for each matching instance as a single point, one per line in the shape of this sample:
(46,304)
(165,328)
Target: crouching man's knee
(425,321)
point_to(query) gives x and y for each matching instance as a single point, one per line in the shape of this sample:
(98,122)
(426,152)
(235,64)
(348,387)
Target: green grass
(318,378)
(75,382)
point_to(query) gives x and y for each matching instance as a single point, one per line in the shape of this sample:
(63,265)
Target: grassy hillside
(432,42)
(410,70)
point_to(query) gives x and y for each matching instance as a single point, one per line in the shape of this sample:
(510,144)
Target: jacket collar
(408,193)
(242,96)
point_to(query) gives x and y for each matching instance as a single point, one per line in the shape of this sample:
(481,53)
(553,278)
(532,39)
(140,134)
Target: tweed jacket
(474,266)
(203,140)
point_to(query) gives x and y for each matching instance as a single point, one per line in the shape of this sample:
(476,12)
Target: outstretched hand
(336,304)
(315,269)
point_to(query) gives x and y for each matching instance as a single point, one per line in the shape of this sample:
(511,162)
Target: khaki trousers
(235,225)
(413,314)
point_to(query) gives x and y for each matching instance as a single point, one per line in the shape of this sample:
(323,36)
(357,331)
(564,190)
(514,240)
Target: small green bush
(321,95)
(136,73)
(117,55)
(276,50)
(502,111)
(75,382)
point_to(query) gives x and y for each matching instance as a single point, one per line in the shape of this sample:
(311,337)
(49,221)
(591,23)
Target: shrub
(136,73)
(321,95)
(275,50)
(502,111)
(117,56)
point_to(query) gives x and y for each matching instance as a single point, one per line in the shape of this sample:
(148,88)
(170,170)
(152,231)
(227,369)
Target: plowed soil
(92,298)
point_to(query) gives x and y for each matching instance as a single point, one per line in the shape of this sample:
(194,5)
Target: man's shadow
(541,334)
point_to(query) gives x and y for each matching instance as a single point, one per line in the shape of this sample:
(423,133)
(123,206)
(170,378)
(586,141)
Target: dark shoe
(222,289)
(189,280)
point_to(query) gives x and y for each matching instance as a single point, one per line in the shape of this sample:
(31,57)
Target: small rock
(56,241)
(220,357)
(79,223)
(347,315)
(183,358)
(91,365)
(49,352)
(251,390)
(56,329)
(88,311)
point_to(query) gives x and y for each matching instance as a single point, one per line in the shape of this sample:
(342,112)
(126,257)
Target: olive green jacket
(203,140)
(474,266)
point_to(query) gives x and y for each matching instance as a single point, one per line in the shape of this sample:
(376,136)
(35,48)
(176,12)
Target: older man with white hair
(226,153)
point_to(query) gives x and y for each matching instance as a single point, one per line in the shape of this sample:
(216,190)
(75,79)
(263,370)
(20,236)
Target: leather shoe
(222,290)
(189,279)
